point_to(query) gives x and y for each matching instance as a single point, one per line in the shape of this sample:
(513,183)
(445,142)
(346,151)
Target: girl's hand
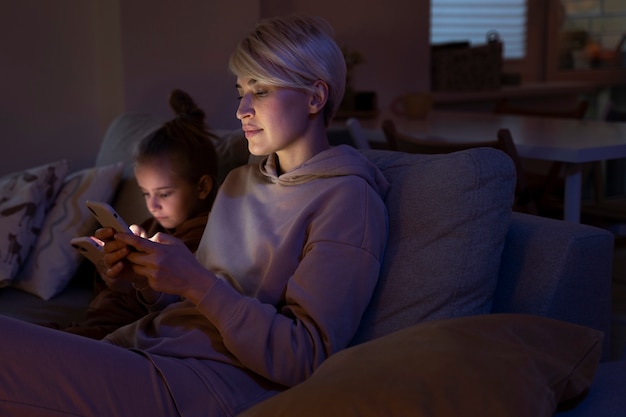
(138,230)
(114,259)
(112,283)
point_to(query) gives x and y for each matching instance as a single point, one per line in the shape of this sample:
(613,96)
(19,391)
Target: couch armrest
(557,269)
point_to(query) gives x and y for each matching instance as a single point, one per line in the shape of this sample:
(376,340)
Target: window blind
(470,20)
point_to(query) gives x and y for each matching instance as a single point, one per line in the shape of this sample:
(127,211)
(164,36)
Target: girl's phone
(107,216)
(90,247)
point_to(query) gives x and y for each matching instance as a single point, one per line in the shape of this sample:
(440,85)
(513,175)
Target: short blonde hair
(293,51)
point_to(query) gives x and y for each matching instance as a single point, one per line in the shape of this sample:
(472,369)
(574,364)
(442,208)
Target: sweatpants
(47,372)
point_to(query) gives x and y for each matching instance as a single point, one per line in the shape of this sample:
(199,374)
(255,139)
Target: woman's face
(274,119)
(170,199)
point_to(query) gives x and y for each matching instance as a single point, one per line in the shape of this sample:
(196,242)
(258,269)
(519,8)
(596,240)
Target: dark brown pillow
(491,365)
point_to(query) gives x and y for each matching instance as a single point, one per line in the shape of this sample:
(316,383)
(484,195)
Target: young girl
(176,170)
(284,271)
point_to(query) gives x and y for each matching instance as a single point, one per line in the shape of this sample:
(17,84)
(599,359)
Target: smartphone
(107,216)
(90,247)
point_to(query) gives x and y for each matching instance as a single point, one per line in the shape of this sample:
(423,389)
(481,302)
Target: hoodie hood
(337,161)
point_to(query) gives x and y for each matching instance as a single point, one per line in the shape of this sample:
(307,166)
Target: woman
(284,271)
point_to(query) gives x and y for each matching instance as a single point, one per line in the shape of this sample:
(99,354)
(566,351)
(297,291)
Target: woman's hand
(166,262)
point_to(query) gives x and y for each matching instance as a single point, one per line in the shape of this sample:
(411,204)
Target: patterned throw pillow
(53,261)
(25,198)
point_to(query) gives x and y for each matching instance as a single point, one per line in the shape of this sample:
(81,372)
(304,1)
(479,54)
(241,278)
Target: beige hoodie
(299,256)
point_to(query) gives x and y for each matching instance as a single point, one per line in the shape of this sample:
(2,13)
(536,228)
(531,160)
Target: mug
(412,105)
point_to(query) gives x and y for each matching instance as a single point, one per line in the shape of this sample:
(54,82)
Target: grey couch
(455,251)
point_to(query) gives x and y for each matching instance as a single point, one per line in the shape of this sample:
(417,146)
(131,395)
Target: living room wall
(50,106)
(70,67)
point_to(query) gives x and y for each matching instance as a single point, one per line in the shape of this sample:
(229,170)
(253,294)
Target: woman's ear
(319,97)
(205,185)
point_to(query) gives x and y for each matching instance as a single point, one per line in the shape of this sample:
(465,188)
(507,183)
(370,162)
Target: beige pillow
(448,219)
(53,261)
(25,198)
(489,365)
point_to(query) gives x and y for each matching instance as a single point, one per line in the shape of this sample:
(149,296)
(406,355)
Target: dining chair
(548,183)
(609,202)
(399,141)
(615,169)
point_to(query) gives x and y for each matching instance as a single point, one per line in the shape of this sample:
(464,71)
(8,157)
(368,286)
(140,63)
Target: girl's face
(274,119)
(170,199)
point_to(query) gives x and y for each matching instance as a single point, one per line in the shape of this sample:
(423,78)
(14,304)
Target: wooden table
(572,142)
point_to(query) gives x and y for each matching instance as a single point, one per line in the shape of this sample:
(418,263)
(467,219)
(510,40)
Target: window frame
(540,63)
(552,72)
(474,30)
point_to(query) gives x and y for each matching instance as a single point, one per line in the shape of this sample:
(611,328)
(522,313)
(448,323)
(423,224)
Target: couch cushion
(448,216)
(491,365)
(25,198)
(53,261)
(232,151)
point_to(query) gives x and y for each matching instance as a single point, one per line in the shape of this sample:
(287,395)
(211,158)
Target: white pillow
(25,197)
(53,261)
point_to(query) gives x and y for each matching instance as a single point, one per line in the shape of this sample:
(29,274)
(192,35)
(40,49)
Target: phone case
(107,216)
(89,247)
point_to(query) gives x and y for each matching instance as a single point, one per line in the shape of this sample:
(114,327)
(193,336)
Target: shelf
(525,90)
(359,114)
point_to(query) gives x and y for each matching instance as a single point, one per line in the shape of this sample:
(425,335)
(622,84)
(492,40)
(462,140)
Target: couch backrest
(557,269)
(448,217)
(118,145)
